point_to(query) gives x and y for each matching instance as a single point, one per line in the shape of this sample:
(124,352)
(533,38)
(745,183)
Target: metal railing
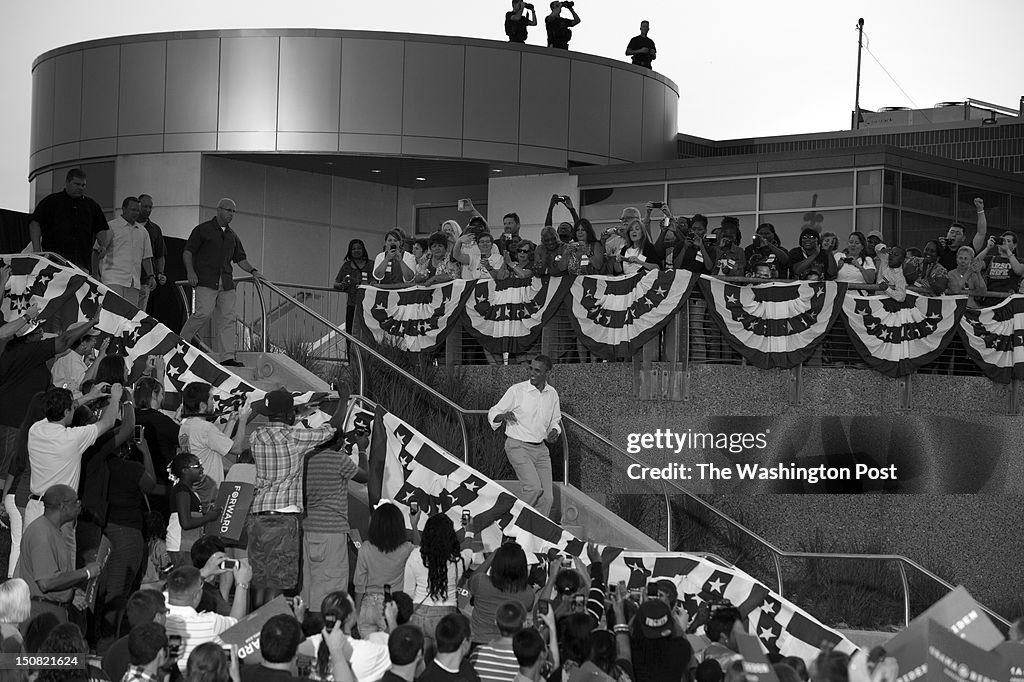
(902,562)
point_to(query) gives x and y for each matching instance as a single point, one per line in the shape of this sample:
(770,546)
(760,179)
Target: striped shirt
(496,662)
(327,476)
(279,451)
(194,628)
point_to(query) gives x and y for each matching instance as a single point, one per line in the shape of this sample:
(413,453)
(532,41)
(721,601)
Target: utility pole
(856,98)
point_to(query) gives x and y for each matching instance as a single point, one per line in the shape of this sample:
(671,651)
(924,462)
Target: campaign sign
(92,586)
(958,613)
(755,664)
(235,498)
(951,658)
(246,633)
(1012,654)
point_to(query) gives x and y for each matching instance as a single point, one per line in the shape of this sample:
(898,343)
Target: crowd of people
(114,505)
(945,265)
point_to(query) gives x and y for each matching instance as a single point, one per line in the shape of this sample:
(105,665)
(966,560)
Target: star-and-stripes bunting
(616,316)
(896,338)
(777,324)
(70,294)
(414,318)
(405,466)
(506,316)
(994,339)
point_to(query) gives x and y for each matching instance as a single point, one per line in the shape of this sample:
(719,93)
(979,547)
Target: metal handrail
(776,553)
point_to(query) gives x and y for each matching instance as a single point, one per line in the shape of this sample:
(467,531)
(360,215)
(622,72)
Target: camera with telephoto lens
(527,5)
(567,3)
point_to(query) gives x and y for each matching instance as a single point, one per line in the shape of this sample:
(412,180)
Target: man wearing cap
(657,635)
(279,450)
(47,564)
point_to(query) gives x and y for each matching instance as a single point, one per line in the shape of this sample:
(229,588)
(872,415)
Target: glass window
(869,187)
(997,206)
(891,188)
(928,194)
(605,205)
(429,218)
(869,219)
(1017,212)
(789,225)
(917,228)
(718,196)
(807,191)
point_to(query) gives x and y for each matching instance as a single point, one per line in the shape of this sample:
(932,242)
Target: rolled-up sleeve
(507,403)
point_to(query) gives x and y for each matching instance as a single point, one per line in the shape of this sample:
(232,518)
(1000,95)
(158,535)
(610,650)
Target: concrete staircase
(269,371)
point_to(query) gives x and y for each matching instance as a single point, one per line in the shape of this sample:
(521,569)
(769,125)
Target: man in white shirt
(531,414)
(123,254)
(184,590)
(70,369)
(55,449)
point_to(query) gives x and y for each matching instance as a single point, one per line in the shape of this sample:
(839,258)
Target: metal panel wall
(310,84)
(544,101)
(492,95)
(248,84)
(371,97)
(589,108)
(193,74)
(67,99)
(626,114)
(141,97)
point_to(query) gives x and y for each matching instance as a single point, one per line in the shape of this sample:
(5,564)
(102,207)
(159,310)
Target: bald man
(209,252)
(47,564)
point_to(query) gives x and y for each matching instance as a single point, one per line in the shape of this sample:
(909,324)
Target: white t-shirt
(370,659)
(416,578)
(632,268)
(407,258)
(194,628)
(850,273)
(55,453)
(204,440)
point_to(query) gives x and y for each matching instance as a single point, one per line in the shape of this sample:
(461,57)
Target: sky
(744,68)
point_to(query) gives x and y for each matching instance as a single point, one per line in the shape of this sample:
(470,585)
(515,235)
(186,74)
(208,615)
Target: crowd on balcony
(945,265)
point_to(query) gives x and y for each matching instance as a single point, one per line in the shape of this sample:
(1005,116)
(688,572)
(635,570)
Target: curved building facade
(330,135)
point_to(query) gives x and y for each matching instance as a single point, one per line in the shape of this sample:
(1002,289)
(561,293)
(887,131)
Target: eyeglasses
(523,251)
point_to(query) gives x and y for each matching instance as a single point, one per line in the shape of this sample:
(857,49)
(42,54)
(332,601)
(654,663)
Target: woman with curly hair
(208,663)
(381,561)
(432,574)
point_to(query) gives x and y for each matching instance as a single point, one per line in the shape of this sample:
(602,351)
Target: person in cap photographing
(279,449)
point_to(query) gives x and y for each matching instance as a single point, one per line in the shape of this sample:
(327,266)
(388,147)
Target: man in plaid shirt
(279,450)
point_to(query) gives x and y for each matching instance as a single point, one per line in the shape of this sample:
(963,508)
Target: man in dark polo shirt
(209,252)
(641,48)
(67,222)
(156,238)
(47,564)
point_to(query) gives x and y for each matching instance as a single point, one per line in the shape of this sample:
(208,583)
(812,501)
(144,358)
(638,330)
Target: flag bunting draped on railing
(507,316)
(775,325)
(65,293)
(994,339)
(405,466)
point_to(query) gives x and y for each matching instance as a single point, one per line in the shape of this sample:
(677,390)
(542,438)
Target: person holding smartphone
(394,265)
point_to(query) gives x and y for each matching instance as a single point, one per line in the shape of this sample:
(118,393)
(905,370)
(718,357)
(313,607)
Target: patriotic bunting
(134,335)
(994,339)
(415,318)
(896,338)
(405,466)
(616,316)
(773,325)
(506,316)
